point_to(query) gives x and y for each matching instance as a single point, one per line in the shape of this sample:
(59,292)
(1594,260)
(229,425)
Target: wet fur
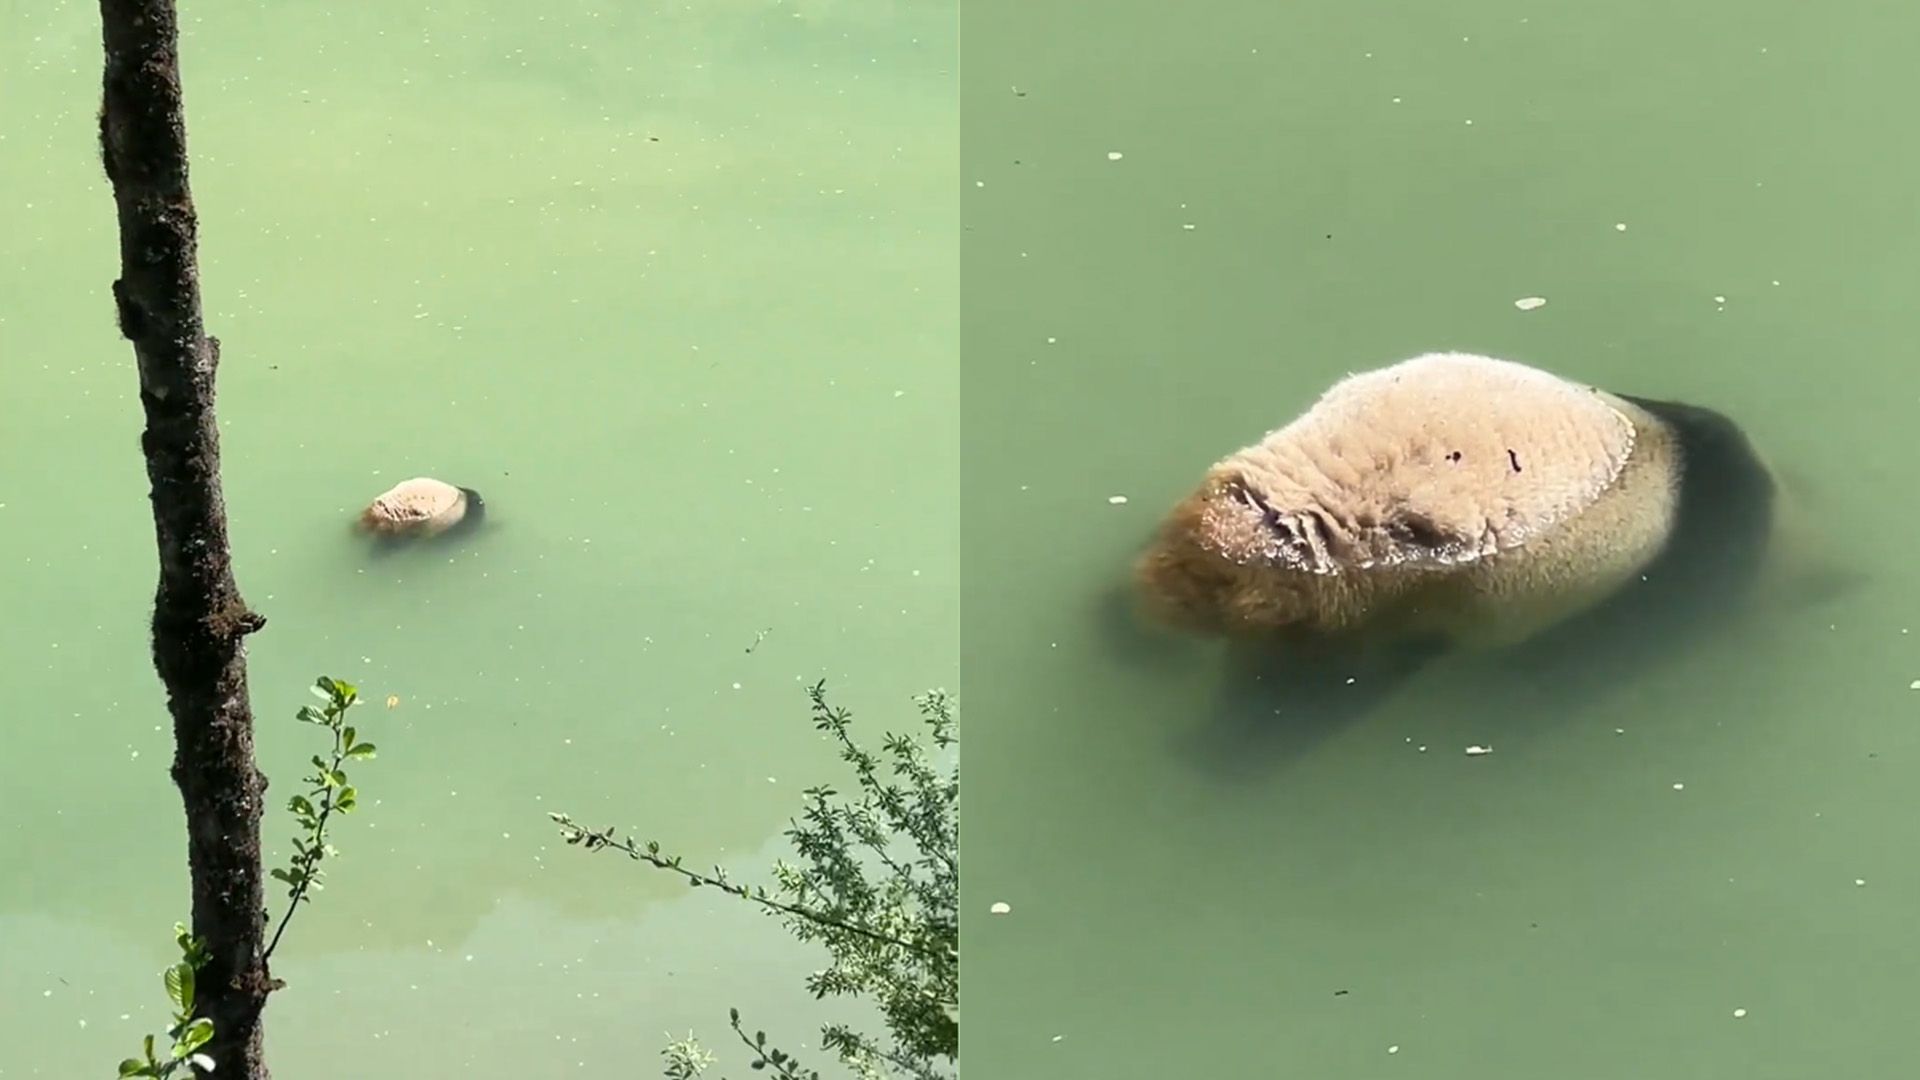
(1356,642)
(387,538)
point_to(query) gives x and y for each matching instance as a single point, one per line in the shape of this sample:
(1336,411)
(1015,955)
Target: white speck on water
(1619,731)
(1350,680)
(1859,881)
(1619,226)
(1396,101)
(979,183)
(1114,155)
(1476,751)
(1423,749)
(1051,340)
(1529,303)
(1915,684)
(1394,1049)
(1739,1013)
(1679,787)
(1000,907)
(1469,123)
(736,686)
(771,780)
(1188,226)
(1117,500)
(1719,299)
(1057,1038)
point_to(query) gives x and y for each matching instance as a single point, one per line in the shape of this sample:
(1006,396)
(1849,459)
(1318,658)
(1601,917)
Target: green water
(673,286)
(1305,189)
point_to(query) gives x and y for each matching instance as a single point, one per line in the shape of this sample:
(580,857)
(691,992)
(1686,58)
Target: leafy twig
(188,1033)
(604,840)
(328,794)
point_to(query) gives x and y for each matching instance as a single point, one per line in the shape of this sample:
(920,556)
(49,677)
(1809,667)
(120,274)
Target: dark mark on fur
(1514,459)
(1455,456)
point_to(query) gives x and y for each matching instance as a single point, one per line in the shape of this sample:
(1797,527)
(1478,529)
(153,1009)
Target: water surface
(674,287)
(1182,225)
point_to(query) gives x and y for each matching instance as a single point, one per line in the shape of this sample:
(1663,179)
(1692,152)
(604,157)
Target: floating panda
(1455,501)
(422,507)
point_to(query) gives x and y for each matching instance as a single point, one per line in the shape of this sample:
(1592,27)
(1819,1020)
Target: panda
(1457,502)
(422,507)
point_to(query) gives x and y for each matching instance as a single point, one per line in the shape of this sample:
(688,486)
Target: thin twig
(595,840)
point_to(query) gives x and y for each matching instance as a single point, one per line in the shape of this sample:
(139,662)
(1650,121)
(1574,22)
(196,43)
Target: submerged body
(1455,500)
(421,507)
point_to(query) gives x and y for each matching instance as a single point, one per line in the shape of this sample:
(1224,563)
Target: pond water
(1182,224)
(674,287)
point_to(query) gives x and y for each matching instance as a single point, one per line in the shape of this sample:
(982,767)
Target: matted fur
(1450,495)
(420,505)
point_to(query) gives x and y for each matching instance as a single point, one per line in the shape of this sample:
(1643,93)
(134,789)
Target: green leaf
(363,750)
(197,1035)
(324,689)
(348,736)
(301,805)
(344,801)
(179,979)
(134,1067)
(310,715)
(347,691)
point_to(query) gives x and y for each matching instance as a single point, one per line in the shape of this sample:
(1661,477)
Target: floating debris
(1476,751)
(1000,907)
(1529,303)
(1739,1014)
(1117,500)
(1114,155)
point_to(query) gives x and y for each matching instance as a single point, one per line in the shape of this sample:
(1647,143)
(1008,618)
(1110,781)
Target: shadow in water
(1273,706)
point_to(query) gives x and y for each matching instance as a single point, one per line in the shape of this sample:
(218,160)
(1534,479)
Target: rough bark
(200,622)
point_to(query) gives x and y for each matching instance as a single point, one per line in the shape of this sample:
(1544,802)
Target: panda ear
(1417,530)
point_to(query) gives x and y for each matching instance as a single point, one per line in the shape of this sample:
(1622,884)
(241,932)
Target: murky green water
(1182,224)
(674,287)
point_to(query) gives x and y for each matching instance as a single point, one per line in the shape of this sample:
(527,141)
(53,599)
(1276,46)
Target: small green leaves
(197,1034)
(135,1067)
(328,793)
(179,980)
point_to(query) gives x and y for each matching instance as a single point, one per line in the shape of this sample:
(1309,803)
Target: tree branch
(200,621)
